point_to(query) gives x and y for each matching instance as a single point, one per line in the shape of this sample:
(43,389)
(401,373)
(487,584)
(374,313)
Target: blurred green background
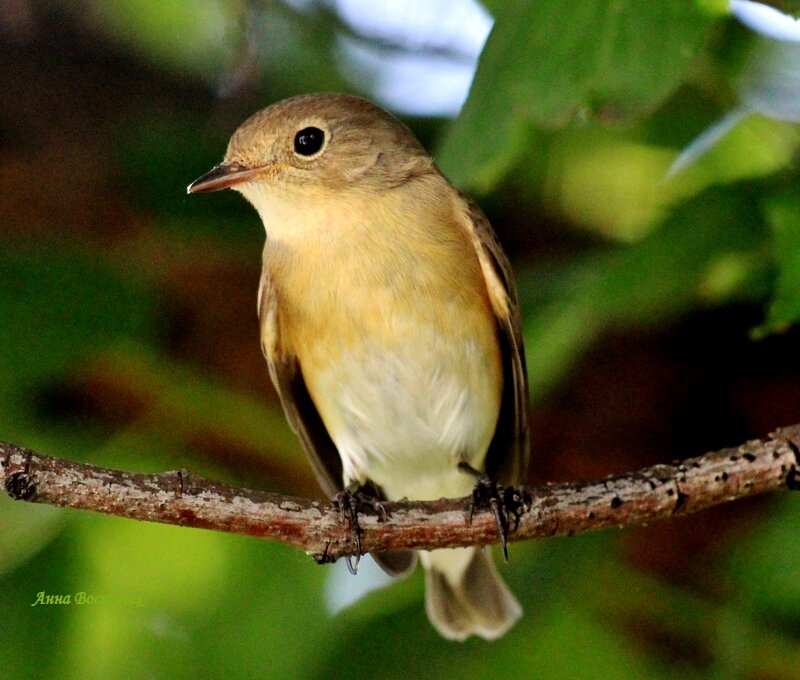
(658,309)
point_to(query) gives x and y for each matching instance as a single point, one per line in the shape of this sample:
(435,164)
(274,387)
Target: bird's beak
(223,176)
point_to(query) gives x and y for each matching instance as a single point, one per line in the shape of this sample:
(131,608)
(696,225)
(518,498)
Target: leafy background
(658,314)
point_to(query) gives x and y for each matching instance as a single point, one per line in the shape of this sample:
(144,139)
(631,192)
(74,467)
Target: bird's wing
(507,458)
(287,376)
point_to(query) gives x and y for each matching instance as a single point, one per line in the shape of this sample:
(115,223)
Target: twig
(654,493)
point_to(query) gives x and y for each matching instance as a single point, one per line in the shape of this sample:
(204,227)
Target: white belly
(405,418)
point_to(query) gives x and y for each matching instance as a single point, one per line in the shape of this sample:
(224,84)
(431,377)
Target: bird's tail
(464,594)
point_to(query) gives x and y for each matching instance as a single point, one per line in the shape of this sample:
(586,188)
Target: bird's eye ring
(309,141)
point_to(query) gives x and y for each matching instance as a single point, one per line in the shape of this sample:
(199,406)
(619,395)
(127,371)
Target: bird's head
(317,142)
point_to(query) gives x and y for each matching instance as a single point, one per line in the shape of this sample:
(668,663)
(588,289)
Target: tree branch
(654,493)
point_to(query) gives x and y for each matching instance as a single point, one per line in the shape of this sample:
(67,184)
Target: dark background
(658,312)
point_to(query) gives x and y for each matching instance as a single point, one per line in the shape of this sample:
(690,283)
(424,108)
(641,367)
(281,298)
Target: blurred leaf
(692,633)
(783,215)
(147,578)
(27,630)
(755,146)
(601,181)
(547,61)
(59,304)
(770,79)
(171,603)
(186,408)
(25,528)
(295,45)
(192,37)
(763,569)
(707,140)
(609,182)
(160,157)
(766,84)
(684,263)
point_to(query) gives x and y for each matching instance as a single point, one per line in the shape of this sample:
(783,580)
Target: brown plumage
(390,324)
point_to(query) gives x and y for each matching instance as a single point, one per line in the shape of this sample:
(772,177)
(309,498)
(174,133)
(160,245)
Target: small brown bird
(390,324)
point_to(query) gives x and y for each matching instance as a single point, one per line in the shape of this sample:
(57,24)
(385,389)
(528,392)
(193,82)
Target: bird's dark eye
(308,141)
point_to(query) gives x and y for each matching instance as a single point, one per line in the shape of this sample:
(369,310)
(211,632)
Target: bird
(390,323)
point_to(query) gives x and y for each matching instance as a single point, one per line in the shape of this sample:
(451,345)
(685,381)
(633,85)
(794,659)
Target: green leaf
(183,402)
(783,215)
(162,593)
(547,61)
(58,305)
(708,252)
(25,528)
(188,37)
(764,568)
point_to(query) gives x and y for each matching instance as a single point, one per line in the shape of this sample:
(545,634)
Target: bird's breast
(397,343)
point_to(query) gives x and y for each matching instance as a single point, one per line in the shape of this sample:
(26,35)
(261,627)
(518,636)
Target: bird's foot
(508,504)
(350,503)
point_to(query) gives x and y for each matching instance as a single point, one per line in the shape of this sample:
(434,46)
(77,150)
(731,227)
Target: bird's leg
(506,503)
(350,502)
(487,493)
(347,504)
(517,502)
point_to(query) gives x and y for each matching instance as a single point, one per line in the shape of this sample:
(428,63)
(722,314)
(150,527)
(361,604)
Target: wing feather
(287,377)
(507,459)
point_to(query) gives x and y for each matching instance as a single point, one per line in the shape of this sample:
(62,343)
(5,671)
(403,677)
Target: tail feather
(466,596)
(396,562)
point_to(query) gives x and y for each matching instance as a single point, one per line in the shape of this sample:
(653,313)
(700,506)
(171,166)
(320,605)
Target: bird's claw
(350,503)
(508,504)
